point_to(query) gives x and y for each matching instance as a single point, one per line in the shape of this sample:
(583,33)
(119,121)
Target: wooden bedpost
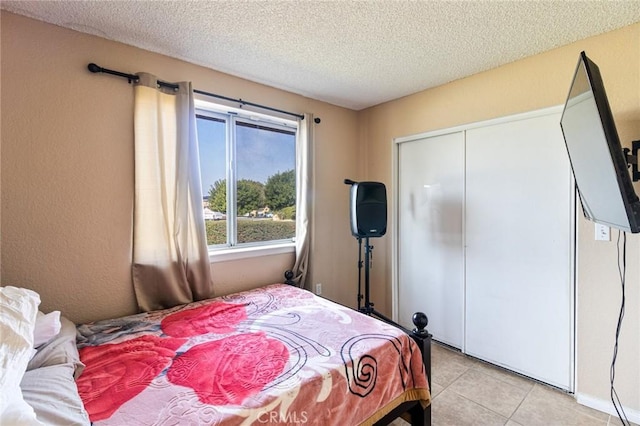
(423,338)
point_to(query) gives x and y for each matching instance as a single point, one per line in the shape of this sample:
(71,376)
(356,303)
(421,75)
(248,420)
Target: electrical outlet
(602,233)
(318,288)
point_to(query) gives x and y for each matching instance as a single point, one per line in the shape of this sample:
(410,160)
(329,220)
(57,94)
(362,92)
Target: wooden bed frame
(410,411)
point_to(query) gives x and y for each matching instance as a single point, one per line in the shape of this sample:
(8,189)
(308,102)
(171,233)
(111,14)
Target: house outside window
(247,167)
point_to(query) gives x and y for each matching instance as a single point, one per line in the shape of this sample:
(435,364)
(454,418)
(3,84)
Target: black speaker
(368,209)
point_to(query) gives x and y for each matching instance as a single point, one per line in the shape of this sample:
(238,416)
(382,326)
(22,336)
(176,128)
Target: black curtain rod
(134,78)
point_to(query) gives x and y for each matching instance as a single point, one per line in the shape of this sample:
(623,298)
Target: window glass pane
(266,183)
(212,145)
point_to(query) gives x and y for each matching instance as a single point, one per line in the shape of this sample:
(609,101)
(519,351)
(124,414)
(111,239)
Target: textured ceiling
(349,53)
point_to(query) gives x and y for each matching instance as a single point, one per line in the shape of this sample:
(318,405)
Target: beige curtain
(304,148)
(170,258)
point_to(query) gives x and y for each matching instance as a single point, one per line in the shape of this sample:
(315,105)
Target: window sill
(226,255)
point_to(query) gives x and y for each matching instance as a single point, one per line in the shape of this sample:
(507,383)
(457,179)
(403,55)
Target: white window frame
(223,253)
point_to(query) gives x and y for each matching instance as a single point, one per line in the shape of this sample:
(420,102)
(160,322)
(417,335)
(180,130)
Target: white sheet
(18,309)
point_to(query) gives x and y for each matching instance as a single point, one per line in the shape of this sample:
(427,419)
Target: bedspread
(275,355)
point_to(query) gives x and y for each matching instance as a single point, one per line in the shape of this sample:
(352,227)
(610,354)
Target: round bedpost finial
(420,320)
(288,275)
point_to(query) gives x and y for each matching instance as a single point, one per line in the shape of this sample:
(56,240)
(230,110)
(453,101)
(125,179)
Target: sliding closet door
(518,248)
(430,252)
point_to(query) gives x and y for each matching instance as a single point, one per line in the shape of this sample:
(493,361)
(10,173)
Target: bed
(273,355)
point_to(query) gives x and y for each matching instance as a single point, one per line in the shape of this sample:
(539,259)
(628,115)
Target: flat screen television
(597,159)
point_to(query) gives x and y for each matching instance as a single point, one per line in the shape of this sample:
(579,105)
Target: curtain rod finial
(94,68)
(317,120)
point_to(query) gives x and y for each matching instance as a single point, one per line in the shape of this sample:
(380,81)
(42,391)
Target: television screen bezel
(629,198)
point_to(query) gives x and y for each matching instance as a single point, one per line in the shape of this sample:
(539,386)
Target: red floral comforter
(275,355)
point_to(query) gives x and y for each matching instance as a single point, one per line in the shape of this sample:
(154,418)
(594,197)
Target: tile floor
(467,391)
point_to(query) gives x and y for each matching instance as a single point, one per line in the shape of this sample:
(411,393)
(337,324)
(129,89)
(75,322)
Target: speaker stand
(359,273)
(368,309)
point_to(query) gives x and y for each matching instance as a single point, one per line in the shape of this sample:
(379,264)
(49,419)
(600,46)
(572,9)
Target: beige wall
(67,176)
(67,172)
(533,83)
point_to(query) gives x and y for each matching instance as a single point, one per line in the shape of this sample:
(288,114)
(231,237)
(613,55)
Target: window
(247,166)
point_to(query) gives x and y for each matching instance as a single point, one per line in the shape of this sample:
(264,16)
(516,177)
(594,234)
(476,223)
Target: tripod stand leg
(359,273)
(382,317)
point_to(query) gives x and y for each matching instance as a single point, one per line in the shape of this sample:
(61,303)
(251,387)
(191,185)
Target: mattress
(274,355)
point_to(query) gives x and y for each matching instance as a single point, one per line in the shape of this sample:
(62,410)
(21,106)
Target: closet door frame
(394,218)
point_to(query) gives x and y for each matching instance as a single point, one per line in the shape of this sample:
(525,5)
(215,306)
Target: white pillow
(18,309)
(47,327)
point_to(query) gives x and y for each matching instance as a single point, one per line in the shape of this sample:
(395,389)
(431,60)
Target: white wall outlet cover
(602,232)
